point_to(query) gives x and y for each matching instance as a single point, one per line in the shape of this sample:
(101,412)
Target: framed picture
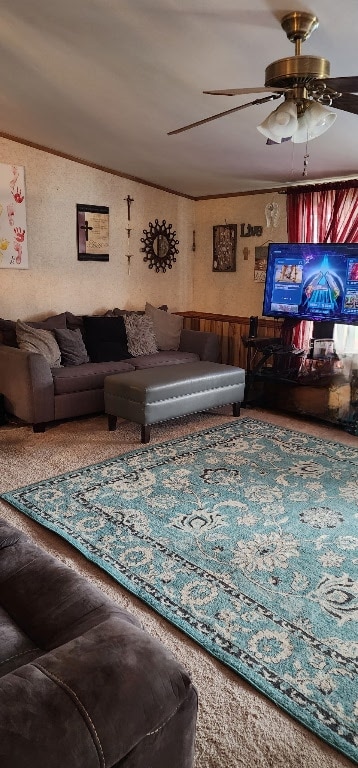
(13,227)
(92,232)
(261,253)
(224,247)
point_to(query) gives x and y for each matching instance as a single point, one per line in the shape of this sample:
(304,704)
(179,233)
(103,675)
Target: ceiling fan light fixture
(315,121)
(281,123)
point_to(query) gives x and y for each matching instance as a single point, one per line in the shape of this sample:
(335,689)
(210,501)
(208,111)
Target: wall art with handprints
(13,228)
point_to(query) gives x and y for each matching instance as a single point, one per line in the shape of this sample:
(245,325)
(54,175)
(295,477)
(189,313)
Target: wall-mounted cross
(86,227)
(129,201)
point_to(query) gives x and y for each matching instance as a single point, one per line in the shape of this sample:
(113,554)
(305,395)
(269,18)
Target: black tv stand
(268,358)
(284,378)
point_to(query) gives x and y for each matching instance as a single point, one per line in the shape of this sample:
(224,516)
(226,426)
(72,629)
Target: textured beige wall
(233,293)
(56,280)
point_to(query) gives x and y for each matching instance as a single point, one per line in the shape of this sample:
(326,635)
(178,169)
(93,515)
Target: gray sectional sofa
(82,685)
(39,394)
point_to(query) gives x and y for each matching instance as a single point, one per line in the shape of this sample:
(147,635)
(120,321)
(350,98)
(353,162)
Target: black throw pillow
(105,338)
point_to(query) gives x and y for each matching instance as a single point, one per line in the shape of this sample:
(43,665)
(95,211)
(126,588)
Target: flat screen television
(312,281)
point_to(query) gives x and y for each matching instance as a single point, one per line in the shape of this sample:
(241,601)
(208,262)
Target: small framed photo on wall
(92,232)
(224,247)
(261,253)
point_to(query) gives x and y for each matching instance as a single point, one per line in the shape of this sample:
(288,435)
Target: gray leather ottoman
(159,394)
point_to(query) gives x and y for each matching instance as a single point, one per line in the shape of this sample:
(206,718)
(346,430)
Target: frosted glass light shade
(281,123)
(314,121)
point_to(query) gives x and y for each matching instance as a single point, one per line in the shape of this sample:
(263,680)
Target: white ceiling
(105,80)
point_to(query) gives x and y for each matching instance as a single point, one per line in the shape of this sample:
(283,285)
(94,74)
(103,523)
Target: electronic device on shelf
(260,342)
(312,281)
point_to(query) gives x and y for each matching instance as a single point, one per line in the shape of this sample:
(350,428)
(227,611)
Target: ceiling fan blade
(239,91)
(348,102)
(227,112)
(343,84)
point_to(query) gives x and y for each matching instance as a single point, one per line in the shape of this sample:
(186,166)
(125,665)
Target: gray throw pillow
(73,350)
(167,327)
(140,335)
(40,341)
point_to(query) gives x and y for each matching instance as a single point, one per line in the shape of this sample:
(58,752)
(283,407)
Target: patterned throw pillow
(140,335)
(40,341)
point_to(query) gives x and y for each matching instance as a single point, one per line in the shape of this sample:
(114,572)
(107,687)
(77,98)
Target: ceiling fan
(305,84)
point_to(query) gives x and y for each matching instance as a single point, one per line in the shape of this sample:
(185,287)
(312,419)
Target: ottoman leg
(112,422)
(145,433)
(236,409)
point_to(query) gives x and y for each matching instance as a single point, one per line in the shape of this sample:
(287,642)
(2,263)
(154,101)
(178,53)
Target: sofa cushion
(164,358)
(73,350)
(8,332)
(140,335)
(103,693)
(8,327)
(167,327)
(16,648)
(50,323)
(74,321)
(117,311)
(81,378)
(105,338)
(40,341)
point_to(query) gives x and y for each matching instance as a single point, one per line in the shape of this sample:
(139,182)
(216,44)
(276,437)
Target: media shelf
(280,377)
(268,359)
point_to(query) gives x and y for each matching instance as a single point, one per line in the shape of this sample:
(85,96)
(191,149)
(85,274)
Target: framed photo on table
(92,232)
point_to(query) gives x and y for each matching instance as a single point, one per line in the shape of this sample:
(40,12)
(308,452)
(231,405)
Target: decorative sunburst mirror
(160,246)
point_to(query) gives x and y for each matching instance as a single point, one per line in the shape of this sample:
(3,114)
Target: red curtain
(326,213)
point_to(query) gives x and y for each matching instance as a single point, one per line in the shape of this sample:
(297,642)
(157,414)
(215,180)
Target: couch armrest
(27,385)
(204,344)
(92,702)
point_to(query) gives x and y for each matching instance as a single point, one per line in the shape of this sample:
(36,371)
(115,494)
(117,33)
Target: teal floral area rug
(245,537)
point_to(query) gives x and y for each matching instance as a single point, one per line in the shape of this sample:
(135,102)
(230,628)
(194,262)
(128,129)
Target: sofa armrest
(204,344)
(95,701)
(49,601)
(27,385)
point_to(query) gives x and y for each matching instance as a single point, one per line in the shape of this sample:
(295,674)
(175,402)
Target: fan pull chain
(292,159)
(305,160)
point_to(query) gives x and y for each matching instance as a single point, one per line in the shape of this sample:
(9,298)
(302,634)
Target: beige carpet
(237,726)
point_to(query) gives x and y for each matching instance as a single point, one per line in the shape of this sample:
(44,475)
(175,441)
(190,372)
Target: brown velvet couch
(82,685)
(37,394)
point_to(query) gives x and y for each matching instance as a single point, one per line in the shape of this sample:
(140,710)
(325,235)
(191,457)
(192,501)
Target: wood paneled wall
(230,329)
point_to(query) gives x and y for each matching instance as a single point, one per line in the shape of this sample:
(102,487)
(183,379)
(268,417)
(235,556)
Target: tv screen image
(312,281)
